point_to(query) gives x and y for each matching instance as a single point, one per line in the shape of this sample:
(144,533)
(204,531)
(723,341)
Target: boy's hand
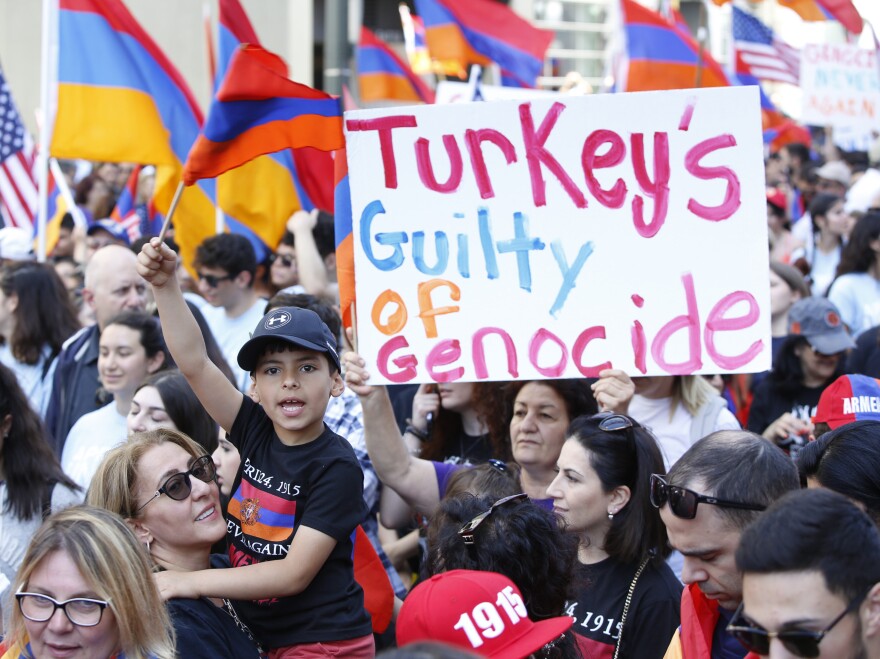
(302,221)
(175,585)
(157,263)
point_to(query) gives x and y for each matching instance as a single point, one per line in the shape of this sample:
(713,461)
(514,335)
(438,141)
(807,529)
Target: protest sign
(556,237)
(841,87)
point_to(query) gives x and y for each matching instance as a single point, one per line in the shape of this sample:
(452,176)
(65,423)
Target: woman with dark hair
(31,481)
(36,318)
(458,430)
(856,291)
(831,227)
(809,360)
(165,400)
(535,414)
(517,539)
(131,347)
(602,494)
(846,460)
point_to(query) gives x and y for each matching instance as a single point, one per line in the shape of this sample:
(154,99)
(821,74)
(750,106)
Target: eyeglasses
(284,259)
(800,642)
(179,485)
(81,611)
(683,502)
(466,532)
(213,280)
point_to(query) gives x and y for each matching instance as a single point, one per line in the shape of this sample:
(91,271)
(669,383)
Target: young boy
(298,492)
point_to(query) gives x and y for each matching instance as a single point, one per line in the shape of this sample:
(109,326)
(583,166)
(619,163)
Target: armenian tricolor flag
(382,75)
(484,31)
(258,111)
(661,56)
(120,99)
(125,211)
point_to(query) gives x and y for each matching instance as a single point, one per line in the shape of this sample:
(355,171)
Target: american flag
(18,185)
(760,53)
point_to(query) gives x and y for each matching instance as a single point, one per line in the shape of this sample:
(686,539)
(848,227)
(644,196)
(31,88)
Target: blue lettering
(487,243)
(522,245)
(568,274)
(464,267)
(442,243)
(394,238)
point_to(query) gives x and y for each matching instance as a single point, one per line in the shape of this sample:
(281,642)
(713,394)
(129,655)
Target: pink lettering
(690,322)
(479,353)
(447,352)
(614,196)
(406,363)
(426,169)
(538,340)
(473,140)
(658,189)
(731,195)
(580,345)
(719,322)
(385,125)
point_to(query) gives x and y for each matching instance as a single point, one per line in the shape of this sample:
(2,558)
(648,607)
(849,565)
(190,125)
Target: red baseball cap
(849,398)
(482,612)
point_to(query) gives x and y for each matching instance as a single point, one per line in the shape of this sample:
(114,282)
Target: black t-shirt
(769,404)
(653,617)
(277,489)
(203,630)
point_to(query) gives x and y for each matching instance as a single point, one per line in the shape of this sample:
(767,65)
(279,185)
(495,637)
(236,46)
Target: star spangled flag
(760,53)
(19,195)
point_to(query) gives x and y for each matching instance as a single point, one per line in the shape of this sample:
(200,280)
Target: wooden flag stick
(173,207)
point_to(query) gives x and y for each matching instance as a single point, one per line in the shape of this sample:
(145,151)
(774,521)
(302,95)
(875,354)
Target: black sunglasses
(179,486)
(613,422)
(285,259)
(800,642)
(466,532)
(683,502)
(213,280)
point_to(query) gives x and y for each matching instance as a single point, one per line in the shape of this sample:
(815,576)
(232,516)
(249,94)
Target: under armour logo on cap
(278,319)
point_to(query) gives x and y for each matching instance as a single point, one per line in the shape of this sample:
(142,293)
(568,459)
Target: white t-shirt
(823,269)
(857,296)
(232,333)
(35,386)
(90,438)
(673,434)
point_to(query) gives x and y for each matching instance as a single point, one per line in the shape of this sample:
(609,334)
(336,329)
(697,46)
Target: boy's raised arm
(157,263)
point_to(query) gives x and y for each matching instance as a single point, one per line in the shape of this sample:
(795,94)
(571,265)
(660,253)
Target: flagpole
(48,48)
(171,209)
(64,189)
(702,33)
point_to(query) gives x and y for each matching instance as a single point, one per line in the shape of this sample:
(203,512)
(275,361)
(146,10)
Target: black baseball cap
(300,327)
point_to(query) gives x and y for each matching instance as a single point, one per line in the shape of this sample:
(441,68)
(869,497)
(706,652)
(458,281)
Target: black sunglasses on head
(683,502)
(466,532)
(179,486)
(800,642)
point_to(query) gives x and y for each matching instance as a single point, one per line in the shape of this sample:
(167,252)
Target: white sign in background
(841,88)
(559,259)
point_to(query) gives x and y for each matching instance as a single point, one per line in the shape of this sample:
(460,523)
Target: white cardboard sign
(841,85)
(555,237)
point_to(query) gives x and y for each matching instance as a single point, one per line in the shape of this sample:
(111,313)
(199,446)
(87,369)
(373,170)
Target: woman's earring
(147,545)
(610,515)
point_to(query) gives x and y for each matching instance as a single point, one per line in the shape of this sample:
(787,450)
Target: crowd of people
(195,463)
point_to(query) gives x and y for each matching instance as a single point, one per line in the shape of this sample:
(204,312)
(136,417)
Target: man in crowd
(716,489)
(112,285)
(226,264)
(811,580)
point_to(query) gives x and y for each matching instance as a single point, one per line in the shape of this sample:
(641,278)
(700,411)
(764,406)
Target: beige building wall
(283,26)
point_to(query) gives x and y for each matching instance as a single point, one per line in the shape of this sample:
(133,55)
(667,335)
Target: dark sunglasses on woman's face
(683,502)
(179,486)
(800,642)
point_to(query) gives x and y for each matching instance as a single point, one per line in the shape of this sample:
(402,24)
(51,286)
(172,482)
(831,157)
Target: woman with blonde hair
(163,484)
(87,562)
(679,410)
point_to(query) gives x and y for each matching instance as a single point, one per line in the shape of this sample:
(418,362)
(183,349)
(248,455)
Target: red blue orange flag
(384,76)
(343,224)
(258,110)
(120,99)
(661,56)
(258,197)
(372,578)
(125,211)
(484,31)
